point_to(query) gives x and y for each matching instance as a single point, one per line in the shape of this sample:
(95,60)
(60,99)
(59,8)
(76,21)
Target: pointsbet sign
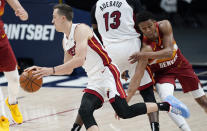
(30,32)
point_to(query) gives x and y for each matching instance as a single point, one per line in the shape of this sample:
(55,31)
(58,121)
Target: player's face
(148,28)
(57,20)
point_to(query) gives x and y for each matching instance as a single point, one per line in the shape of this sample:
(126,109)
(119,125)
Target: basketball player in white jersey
(115,22)
(82,48)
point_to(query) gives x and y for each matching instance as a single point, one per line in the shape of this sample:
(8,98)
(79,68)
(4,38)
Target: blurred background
(35,42)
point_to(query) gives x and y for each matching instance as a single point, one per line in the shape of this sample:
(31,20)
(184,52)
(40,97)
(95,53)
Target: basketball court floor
(54,108)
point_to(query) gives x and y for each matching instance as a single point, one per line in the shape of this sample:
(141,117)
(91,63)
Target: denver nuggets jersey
(167,63)
(115,19)
(96,57)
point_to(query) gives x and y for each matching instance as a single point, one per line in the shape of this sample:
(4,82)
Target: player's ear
(63,18)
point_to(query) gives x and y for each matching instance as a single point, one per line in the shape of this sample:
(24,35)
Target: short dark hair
(65,10)
(144,16)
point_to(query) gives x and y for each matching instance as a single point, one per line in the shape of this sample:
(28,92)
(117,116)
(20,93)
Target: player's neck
(155,37)
(67,28)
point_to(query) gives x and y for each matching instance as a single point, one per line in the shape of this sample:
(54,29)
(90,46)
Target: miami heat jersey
(96,57)
(103,76)
(167,63)
(115,19)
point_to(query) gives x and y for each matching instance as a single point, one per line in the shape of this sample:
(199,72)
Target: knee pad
(123,114)
(164,90)
(87,117)
(85,112)
(125,111)
(198,93)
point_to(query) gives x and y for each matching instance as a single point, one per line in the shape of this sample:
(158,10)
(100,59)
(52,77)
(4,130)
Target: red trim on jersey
(116,75)
(150,73)
(94,93)
(96,46)
(112,100)
(145,86)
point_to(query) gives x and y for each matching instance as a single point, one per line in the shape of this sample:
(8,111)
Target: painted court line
(62,112)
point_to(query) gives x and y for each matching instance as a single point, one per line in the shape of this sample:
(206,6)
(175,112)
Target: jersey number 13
(116,20)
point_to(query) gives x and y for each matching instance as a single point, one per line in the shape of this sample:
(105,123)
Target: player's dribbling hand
(22,14)
(40,71)
(31,68)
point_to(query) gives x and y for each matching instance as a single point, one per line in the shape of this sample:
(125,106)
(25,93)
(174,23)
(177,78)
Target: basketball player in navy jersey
(83,48)
(167,63)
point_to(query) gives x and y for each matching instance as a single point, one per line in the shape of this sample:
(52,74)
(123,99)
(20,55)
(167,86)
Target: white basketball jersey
(96,57)
(115,20)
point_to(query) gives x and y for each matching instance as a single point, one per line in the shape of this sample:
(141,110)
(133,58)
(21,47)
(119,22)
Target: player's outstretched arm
(18,9)
(136,79)
(139,72)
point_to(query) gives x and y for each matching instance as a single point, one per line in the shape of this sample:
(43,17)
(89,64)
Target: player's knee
(14,80)
(85,112)
(162,97)
(124,114)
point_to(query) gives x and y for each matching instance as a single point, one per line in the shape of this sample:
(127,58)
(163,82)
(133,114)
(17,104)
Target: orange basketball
(29,83)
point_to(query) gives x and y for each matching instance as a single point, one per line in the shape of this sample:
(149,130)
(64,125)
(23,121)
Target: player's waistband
(120,39)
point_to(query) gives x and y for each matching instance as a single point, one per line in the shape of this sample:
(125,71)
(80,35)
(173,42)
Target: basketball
(29,83)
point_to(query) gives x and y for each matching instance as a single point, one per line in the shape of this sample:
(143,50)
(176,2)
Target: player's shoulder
(82,29)
(164,24)
(82,26)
